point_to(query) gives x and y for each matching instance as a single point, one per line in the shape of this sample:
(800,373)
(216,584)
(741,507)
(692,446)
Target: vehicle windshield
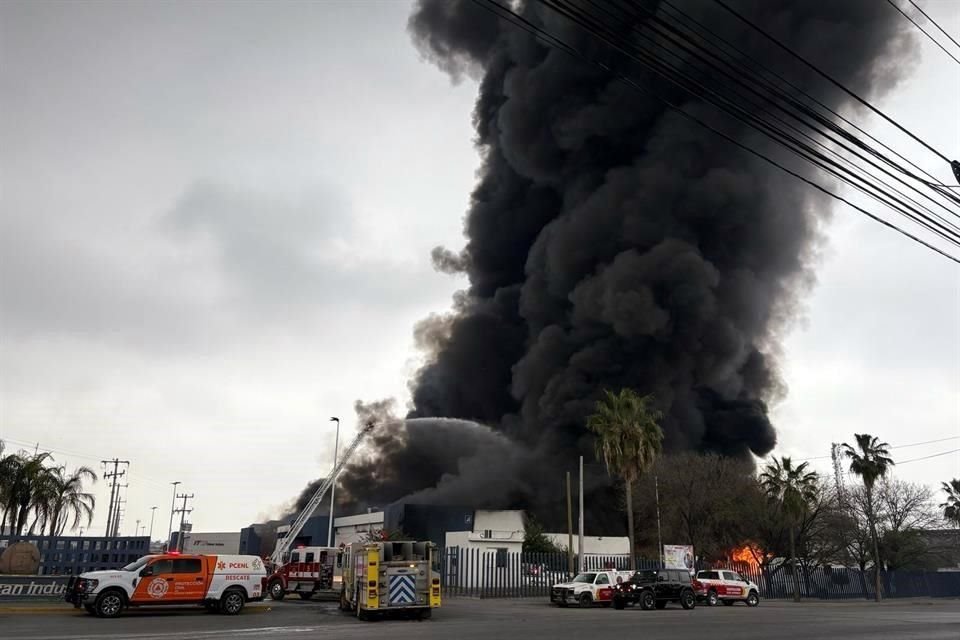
(585,577)
(136,566)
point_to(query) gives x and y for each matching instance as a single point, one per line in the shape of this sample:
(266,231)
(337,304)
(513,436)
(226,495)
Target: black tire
(688,599)
(585,600)
(618,604)
(647,601)
(753,599)
(712,598)
(275,589)
(426,614)
(231,602)
(661,604)
(109,604)
(305,596)
(727,603)
(90,609)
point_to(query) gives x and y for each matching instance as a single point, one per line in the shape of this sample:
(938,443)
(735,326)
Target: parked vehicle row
(655,588)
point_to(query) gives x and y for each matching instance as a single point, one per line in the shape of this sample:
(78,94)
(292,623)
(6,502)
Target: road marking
(187,635)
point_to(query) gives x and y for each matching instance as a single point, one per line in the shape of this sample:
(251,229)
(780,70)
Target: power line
(946,229)
(936,455)
(925,32)
(829,78)
(802,150)
(934,22)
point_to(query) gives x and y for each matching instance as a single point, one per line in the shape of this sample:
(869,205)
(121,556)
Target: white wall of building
(224,542)
(348,529)
(595,545)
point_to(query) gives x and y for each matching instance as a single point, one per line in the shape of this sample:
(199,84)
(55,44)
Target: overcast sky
(215,226)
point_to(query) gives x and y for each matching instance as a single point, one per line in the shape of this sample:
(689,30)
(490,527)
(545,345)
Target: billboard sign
(678,556)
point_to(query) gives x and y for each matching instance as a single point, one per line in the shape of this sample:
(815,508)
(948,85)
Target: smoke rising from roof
(610,243)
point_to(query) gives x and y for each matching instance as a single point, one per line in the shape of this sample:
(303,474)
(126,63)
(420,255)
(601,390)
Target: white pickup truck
(586,589)
(220,583)
(728,587)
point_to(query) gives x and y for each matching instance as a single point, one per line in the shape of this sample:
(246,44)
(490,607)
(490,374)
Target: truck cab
(220,583)
(585,589)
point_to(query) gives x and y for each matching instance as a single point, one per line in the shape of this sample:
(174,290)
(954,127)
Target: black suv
(654,589)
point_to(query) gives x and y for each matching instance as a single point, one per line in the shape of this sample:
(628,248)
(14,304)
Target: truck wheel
(753,599)
(426,614)
(647,601)
(585,600)
(231,603)
(109,604)
(305,596)
(712,599)
(276,590)
(688,600)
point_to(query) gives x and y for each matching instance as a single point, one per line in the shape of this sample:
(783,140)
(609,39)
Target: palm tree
(870,460)
(8,465)
(794,489)
(628,440)
(951,508)
(67,499)
(26,482)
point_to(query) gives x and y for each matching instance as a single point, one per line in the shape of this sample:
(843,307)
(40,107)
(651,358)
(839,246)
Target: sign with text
(678,556)
(32,587)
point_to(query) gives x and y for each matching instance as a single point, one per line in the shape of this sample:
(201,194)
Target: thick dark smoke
(610,243)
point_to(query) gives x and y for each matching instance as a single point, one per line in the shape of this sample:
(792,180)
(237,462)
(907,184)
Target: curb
(69,610)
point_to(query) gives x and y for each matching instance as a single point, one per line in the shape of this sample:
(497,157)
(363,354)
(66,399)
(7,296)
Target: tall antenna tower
(835,456)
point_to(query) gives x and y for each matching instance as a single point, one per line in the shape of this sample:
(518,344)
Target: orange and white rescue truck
(220,583)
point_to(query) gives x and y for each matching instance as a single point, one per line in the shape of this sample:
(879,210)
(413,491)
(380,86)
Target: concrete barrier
(32,588)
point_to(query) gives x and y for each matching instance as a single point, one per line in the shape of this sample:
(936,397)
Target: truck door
(189,579)
(155,584)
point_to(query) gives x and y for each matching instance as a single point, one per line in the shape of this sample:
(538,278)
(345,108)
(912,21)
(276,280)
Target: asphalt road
(466,619)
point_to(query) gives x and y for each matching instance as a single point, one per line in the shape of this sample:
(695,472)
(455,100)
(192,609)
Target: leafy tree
(29,487)
(628,440)
(68,502)
(534,538)
(870,460)
(794,489)
(951,507)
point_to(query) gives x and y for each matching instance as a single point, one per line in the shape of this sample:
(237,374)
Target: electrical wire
(936,455)
(737,75)
(829,78)
(924,31)
(934,23)
(817,159)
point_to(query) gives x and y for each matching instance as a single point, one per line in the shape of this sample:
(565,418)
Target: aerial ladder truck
(309,570)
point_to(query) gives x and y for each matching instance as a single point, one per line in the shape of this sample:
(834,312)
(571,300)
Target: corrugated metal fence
(474,572)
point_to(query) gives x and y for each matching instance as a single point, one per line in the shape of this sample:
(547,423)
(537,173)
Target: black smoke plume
(611,243)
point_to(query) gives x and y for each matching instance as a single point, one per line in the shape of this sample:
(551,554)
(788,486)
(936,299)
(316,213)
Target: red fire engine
(306,571)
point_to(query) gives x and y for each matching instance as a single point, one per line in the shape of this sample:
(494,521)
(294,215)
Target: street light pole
(333,485)
(153,512)
(173,505)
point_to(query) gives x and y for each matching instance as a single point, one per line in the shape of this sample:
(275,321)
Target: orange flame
(747,554)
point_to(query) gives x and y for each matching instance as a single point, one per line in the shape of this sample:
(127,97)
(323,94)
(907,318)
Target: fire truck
(307,571)
(389,578)
(310,570)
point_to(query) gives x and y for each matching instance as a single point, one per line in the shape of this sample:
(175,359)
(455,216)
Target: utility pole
(153,512)
(173,505)
(582,564)
(136,529)
(569,528)
(114,476)
(333,486)
(183,511)
(656,491)
(119,511)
